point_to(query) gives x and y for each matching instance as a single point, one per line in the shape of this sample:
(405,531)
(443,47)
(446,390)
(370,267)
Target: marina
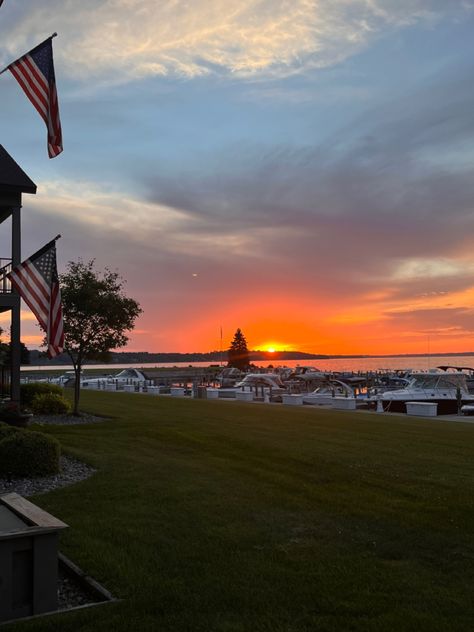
(443,390)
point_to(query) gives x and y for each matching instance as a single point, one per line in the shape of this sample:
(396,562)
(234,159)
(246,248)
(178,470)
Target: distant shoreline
(126,357)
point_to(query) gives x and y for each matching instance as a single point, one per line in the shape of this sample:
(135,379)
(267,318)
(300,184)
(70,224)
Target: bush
(29,391)
(26,453)
(6,430)
(13,415)
(50,404)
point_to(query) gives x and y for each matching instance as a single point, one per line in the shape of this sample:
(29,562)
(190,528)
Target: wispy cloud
(122,40)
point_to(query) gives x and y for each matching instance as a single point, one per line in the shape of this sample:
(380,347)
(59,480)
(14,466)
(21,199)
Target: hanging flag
(35,74)
(37,282)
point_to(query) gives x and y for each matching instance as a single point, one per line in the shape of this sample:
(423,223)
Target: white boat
(63,379)
(448,390)
(127,376)
(328,391)
(264,380)
(259,383)
(229,376)
(468,371)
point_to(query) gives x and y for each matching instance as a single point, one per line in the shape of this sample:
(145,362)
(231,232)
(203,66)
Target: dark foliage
(28,392)
(97,315)
(6,430)
(50,404)
(238,354)
(26,453)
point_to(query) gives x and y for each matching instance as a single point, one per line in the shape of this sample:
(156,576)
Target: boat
(448,390)
(260,383)
(127,376)
(229,376)
(466,370)
(328,392)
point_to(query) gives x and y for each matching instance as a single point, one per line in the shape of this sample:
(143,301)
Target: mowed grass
(227,516)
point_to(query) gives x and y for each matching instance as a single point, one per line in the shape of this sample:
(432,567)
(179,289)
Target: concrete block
(422,409)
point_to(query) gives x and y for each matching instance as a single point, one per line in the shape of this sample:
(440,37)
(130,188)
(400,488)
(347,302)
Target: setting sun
(271,347)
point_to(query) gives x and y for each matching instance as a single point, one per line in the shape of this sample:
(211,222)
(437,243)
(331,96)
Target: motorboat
(448,390)
(253,381)
(64,379)
(229,376)
(303,379)
(466,370)
(269,384)
(327,392)
(125,377)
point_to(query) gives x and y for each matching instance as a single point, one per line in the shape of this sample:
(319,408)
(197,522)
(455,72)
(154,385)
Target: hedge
(28,392)
(7,430)
(50,404)
(27,453)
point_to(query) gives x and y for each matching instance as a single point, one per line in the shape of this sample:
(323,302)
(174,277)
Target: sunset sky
(302,169)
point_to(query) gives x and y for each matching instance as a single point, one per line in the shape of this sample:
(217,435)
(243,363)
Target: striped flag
(37,282)
(35,74)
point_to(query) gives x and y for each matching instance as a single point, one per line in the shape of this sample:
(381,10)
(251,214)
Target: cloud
(447,322)
(114,41)
(365,210)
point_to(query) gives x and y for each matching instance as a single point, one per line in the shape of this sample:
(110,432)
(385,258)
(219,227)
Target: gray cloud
(449,321)
(375,194)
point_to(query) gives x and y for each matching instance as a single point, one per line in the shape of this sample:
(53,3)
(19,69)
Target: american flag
(35,74)
(36,280)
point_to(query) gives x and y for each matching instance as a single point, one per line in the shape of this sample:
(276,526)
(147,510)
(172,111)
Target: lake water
(418,363)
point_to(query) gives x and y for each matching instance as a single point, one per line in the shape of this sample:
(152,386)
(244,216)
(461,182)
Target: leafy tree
(6,354)
(238,354)
(96,315)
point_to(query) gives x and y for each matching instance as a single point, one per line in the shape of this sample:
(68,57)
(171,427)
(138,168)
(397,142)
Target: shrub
(50,404)
(26,453)
(29,391)
(6,430)
(13,415)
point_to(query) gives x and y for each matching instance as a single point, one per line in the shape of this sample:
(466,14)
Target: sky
(299,169)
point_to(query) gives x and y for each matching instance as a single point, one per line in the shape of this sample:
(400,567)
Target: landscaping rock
(72,471)
(66,420)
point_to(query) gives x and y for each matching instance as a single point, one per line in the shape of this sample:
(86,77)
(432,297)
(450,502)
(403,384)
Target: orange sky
(300,170)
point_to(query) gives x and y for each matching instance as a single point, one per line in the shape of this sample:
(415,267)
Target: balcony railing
(5,268)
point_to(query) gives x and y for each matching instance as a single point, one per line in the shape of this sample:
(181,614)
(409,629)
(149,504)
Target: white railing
(5,268)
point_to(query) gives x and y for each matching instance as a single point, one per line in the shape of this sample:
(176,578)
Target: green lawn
(226,516)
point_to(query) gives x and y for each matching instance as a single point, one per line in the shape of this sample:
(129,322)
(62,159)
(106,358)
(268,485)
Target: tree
(96,315)
(238,354)
(6,353)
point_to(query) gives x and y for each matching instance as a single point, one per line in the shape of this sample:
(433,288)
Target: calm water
(420,363)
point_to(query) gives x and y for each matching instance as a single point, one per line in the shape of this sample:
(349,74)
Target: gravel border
(72,471)
(71,593)
(66,420)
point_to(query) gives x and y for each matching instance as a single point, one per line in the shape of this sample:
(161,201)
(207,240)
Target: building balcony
(5,268)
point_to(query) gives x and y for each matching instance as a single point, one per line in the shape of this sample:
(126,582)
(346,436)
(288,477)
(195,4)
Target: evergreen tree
(238,354)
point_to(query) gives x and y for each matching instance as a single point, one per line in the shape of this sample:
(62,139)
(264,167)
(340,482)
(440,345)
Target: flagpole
(40,44)
(49,245)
